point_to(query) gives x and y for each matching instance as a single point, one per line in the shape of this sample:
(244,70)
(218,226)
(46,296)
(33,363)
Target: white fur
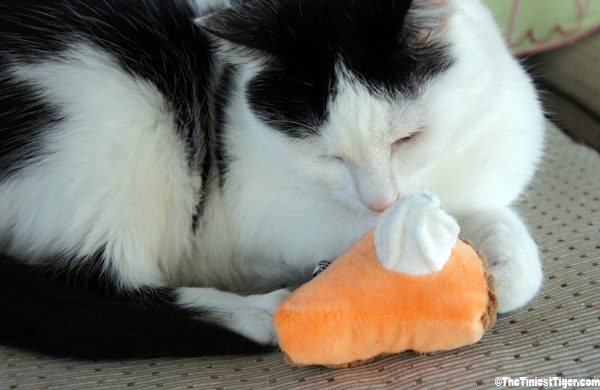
(112,174)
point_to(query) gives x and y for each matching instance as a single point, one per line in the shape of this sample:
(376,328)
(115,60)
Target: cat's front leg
(250,316)
(512,254)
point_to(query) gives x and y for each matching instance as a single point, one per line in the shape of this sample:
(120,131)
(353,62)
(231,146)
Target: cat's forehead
(381,41)
(313,43)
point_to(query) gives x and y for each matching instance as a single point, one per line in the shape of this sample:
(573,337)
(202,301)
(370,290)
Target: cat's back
(138,32)
(113,43)
(153,40)
(102,106)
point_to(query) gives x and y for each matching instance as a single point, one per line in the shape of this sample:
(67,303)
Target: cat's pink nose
(380,207)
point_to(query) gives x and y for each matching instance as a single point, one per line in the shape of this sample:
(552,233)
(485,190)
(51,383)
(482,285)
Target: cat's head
(342,94)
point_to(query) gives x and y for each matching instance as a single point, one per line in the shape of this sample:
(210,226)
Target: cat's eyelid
(407,138)
(332,157)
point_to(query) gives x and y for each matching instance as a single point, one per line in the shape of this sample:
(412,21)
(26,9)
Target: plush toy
(357,310)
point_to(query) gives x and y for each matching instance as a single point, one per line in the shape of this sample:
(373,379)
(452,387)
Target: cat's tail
(42,315)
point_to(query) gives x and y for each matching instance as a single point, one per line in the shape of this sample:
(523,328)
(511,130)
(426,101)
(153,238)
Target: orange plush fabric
(357,310)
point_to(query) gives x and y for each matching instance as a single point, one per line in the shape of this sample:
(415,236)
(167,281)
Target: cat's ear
(431,5)
(426,20)
(430,10)
(244,31)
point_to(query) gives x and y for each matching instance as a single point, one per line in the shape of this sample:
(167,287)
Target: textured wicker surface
(557,334)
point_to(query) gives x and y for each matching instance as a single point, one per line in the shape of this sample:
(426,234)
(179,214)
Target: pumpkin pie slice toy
(409,284)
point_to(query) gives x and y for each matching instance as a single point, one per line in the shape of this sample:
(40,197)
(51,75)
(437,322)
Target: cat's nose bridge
(375,188)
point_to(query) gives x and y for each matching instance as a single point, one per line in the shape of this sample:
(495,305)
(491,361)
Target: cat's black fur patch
(221,99)
(95,275)
(23,115)
(215,155)
(48,317)
(302,41)
(92,274)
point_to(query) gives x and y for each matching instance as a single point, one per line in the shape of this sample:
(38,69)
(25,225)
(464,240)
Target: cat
(170,169)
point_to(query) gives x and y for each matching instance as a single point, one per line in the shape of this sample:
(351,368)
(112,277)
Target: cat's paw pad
(415,235)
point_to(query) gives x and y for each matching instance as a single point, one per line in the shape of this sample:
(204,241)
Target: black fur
(221,99)
(22,116)
(216,155)
(304,40)
(45,316)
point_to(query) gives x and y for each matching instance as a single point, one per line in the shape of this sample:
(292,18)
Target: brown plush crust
(488,319)
(356,363)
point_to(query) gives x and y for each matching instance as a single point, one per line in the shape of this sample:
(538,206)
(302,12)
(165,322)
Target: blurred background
(559,40)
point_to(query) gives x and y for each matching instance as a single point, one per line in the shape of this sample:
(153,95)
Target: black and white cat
(169,168)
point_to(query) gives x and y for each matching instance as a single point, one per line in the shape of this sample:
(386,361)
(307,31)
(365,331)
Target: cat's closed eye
(330,157)
(403,140)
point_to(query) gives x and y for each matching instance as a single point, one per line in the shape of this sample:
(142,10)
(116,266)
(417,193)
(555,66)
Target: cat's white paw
(415,235)
(517,272)
(250,316)
(512,255)
(255,319)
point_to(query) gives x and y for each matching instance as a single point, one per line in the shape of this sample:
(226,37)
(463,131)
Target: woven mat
(556,335)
